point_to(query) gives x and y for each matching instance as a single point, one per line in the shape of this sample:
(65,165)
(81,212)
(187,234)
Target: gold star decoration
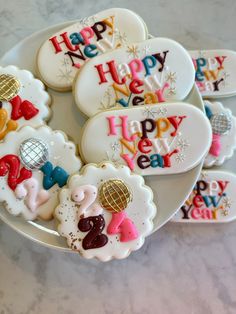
(133,51)
(171,77)
(225,212)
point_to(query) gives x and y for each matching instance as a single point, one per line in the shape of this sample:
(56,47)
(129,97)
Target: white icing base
(141,211)
(32,90)
(228,141)
(61,153)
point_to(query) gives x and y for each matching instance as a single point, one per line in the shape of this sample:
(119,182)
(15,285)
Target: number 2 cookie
(223,125)
(105,212)
(23,100)
(34,165)
(64,53)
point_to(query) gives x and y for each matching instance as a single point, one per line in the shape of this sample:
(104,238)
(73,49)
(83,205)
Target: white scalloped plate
(67,117)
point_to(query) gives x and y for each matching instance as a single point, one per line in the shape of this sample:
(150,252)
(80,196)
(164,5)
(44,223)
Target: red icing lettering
(198,201)
(175,121)
(143,144)
(112,70)
(222,185)
(133,86)
(166,158)
(65,40)
(220,60)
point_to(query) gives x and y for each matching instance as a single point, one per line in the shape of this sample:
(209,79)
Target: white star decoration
(162,111)
(204,175)
(180,157)
(115,146)
(171,91)
(65,75)
(149,112)
(182,144)
(146,49)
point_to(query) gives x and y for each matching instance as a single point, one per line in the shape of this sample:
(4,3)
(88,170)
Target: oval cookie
(155,139)
(212,199)
(155,70)
(105,212)
(64,53)
(223,125)
(23,100)
(215,72)
(34,165)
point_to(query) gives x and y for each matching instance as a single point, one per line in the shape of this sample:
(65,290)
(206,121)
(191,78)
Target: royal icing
(158,139)
(65,52)
(155,70)
(105,212)
(215,72)
(211,200)
(23,100)
(223,125)
(34,165)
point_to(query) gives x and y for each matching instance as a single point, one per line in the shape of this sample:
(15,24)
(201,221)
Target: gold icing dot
(9,87)
(114,195)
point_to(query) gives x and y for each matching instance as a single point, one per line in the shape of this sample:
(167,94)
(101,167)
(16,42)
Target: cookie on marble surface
(212,199)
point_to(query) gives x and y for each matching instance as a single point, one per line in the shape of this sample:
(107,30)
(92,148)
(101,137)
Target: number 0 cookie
(105,212)
(34,165)
(23,100)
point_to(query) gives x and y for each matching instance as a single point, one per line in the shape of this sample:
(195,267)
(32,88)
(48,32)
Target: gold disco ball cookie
(114,195)
(9,87)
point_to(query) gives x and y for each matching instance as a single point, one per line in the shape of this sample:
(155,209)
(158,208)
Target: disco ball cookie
(63,54)
(105,212)
(223,125)
(34,165)
(23,100)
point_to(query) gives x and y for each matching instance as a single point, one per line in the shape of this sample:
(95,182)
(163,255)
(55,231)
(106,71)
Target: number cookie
(23,100)
(105,212)
(34,165)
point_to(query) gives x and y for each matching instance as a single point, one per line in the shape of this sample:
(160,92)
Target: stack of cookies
(132,89)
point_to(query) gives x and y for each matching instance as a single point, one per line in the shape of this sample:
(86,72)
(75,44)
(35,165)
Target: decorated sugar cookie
(215,72)
(105,212)
(223,125)
(151,140)
(65,52)
(153,71)
(34,165)
(23,100)
(213,199)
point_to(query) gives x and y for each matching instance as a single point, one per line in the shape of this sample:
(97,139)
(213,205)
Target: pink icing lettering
(123,126)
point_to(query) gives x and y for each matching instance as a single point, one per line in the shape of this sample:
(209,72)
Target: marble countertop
(187,269)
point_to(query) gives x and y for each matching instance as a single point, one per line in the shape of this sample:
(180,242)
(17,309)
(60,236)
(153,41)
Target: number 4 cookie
(23,100)
(105,212)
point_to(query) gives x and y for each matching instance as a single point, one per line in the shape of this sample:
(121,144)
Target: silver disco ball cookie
(33,153)
(221,123)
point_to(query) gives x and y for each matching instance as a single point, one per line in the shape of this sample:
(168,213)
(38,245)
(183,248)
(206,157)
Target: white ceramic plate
(170,191)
